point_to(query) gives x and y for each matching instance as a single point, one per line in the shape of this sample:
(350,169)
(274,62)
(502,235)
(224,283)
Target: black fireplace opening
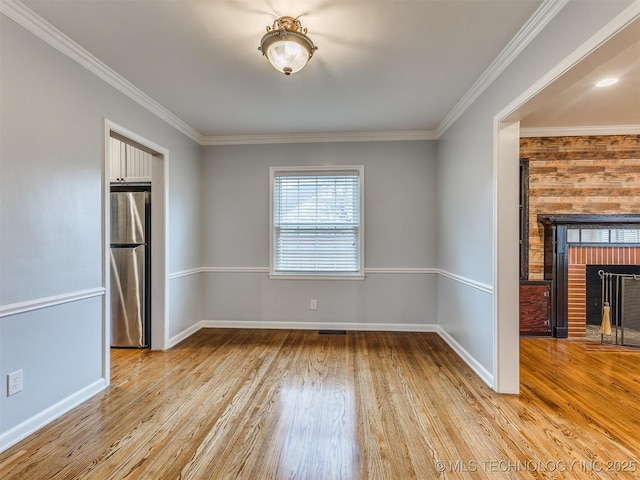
(594,290)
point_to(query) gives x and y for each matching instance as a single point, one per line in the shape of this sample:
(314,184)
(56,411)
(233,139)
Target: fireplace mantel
(588,219)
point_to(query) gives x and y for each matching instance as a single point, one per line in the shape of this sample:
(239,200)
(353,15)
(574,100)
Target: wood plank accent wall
(591,174)
(579,258)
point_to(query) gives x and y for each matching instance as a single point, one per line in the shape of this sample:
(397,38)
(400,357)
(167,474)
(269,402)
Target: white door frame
(506,168)
(506,180)
(159,259)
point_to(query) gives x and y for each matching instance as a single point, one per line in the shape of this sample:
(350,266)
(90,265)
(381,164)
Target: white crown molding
(417,135)
(28,19)
(46,302)
(542,16)
(580,131)
(31,21)
(626,17)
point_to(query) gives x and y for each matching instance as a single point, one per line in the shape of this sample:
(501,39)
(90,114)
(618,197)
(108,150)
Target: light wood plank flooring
(241,404)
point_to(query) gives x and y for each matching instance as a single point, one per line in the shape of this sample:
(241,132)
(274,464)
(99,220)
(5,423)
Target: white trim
(538,21)
(184,273)
(159,238)
(306,276)
(34,23)
(105,211)
(629,15)
(318,170)
(28,19)
(46,302)
(368,271)
(506,329)
(372,270)
(184,334)
(389,136)
(580,131)
(482,372)
(31,21)
(483,287)
(364,327)
(409,271)
(26,428)
(131,135)
(235,269)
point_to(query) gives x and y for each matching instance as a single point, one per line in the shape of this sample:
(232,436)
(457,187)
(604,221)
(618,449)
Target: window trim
(308,170)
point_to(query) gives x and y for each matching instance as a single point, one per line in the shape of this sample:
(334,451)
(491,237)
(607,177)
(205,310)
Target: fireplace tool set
(620,309)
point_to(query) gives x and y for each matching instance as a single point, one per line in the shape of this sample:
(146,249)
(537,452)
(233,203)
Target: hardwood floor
(241,404)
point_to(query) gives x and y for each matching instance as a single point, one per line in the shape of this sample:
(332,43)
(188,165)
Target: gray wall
(400,234)
(51,232)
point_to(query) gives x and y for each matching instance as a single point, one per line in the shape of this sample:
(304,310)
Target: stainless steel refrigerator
(130,272)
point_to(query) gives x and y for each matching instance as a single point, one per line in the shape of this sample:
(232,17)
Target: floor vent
(332,332)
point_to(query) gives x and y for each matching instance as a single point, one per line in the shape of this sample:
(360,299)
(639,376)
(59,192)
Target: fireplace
(584,301)
(571,242)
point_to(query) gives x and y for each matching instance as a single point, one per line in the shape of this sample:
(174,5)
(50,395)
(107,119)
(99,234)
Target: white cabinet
(128,163)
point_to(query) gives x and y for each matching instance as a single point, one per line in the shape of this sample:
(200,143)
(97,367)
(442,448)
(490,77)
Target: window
(316,222)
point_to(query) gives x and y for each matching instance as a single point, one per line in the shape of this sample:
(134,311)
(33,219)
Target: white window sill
(310,276)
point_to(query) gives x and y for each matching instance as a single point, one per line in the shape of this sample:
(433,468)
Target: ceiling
(581,103)
(381,66)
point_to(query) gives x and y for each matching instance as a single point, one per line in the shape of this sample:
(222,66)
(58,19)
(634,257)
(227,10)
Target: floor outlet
(14,382)
(313,304)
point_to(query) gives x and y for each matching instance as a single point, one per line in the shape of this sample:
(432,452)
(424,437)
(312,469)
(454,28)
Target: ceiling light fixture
(287,46)
(607,82)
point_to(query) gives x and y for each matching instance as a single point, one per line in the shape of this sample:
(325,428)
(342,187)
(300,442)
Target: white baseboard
(483,373)
(365,327)
(186,333)
(26,428)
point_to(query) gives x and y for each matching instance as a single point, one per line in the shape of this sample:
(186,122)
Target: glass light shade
(287,46)
(287,56)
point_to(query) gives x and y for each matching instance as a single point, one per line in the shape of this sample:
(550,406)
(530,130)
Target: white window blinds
(316,221)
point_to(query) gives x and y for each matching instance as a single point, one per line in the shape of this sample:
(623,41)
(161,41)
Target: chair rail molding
(46,302)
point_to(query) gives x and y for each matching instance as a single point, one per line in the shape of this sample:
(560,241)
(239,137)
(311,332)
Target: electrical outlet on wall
(313,304)
(14,382)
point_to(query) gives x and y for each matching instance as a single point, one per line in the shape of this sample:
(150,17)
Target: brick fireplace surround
(579,258)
